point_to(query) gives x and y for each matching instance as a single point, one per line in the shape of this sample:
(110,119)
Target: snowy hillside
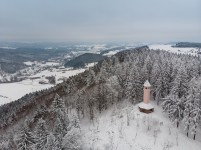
(178,50)
(97,109)
(123,127)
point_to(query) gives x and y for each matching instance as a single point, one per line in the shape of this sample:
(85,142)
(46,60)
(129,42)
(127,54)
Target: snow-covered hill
(178,50)
(103,97)
(123,127)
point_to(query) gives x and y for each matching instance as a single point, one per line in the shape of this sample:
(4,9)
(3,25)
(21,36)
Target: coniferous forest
(50,119)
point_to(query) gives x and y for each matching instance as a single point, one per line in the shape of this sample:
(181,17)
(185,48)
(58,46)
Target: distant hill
(12,60)
(188,44)
(84,59)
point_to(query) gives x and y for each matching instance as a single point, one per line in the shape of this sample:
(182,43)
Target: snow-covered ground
(125,128)
(110,53)
(29,63)
(91,48)
(178,50)
(13,91)
(7,47)
(166,47)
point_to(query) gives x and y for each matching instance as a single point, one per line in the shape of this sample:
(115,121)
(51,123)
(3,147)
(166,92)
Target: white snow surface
(154,131)
(178,50)
(147,84)
(29,63)
(110,53)
(145,106)
(7,47)
(4,99)
(14,91)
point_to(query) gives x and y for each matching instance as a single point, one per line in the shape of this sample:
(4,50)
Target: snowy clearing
(110,53)
(7,47)
(178,50)
(29,63)
(125,128)
(14,91)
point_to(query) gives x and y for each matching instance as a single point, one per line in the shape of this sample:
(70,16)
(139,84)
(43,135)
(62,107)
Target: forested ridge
(82,60)
(49,119)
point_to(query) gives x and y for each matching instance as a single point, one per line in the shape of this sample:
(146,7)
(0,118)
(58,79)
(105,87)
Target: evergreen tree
(72,140)
(177,110)
(25,139)
(58,104)
(196,117)
(180,84)
(194,103)
(91,79)
(167,104)
(50,144)
(11,143)
(58,108)
(80,103)
(41,134)
(75,122)
(137,83)
(189,105)
(61,123)
(101,97)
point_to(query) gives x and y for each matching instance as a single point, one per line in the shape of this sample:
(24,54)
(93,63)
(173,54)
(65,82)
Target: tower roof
(147,84)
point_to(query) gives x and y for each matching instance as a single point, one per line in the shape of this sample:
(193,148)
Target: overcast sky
(100,20)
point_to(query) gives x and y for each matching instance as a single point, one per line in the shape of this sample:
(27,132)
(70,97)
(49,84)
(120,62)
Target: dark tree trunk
(187,131)
(194,136)
(177,124)
(194,133)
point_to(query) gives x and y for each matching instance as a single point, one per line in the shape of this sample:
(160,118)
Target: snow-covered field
(13,91)
(91,48)
(178,50)
(6,47)
(125,128)
(166,47)
(29,63)
(110,53)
